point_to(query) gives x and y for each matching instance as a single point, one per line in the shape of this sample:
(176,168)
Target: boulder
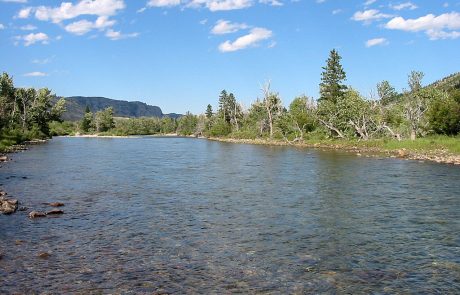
(3,158)
(8,206)
(55,212)
(36,214)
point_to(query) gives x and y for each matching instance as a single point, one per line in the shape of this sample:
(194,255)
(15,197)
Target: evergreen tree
(209,111)
(331,86)
(223,105)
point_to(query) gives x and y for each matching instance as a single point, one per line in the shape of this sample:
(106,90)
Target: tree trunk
(413,134)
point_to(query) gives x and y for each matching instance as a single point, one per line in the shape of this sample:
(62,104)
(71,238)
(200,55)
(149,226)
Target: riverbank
(421,150)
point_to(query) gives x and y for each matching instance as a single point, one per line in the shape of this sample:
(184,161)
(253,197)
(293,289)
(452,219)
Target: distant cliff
(76,106)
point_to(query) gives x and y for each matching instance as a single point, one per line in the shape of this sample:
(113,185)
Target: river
(180,215)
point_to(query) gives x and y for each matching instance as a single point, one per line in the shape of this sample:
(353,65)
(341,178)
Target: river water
(179,215)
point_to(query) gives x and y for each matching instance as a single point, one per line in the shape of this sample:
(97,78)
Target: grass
(425,144)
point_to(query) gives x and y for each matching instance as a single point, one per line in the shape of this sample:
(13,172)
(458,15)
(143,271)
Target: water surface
(177,215)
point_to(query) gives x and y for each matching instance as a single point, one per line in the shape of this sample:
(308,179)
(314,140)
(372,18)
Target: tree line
(340,112)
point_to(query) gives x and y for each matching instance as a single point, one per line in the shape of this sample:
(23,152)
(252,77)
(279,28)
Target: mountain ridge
(76,106)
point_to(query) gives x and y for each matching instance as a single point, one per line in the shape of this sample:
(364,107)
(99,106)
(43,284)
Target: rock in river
(55,212)
(35,214)
(8,206)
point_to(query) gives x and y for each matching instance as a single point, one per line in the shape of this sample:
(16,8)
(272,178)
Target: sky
(179,54)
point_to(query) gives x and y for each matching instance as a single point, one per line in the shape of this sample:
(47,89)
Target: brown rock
(35,214)
(3,158)
(55,212)
(8,206)
(402,153)
(44,255)
(2,193)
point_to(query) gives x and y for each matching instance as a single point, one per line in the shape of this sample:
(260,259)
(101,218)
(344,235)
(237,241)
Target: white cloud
(369,15)
(219,5)
(272,2)
(33,38)
(226,27)
(84,26)
(24,13)
(68,10)
(336,11)
(117,35)
(203,21)
(252,39)
(163,3)
(445,5)
(376,41)
(2,27)
(35,74)
(443,26)
(28,28)
(141,10)
(320,1)
(369,2)
(405,5)
(42,61)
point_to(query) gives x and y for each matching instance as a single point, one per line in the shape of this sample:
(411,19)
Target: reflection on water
(175,215)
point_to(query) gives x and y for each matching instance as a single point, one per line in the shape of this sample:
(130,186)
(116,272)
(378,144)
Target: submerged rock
(55,212)
(44,255)
(2,194)
(35,214)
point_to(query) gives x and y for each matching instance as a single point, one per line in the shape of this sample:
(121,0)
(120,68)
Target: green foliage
(303,115)
(62,128)
(87,122)
(386,93)
(168,125)
(219,127)
(209,111)
(104,120)
(187,124)
(25,114)
(137,126)
(443,115)
(332,78)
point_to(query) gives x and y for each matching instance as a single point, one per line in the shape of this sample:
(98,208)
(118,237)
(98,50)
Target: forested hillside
(76,106)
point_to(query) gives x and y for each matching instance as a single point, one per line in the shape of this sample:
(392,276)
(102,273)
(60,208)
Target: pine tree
(223,101)
(209,111)
(331,86)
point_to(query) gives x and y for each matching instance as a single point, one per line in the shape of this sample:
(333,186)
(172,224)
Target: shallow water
(177,215)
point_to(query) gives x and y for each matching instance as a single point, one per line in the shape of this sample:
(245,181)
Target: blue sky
(179,54)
